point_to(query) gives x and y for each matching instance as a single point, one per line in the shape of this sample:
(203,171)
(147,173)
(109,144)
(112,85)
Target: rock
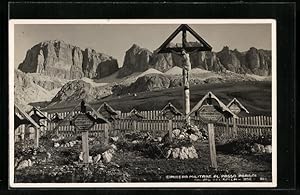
(113,146)
(48,155)
(111,151)
(183,153)
(97,158)
(56,145)
(262,149)
(135,141)
(159,139)
(23,164)
(181,136)
(114,139)
(148,82)
(193,137)
(115,164)
(71,144)
(176,132)
(90,159)
(258,148)
(67,145)
(255,61)
(136,60)
(107,156)
(81,156)
(268,149)
(169,152)
(192,153)
(59,59)
(76,90)
(175,153)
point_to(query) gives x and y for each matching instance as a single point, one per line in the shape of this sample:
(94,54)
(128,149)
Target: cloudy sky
(115,39)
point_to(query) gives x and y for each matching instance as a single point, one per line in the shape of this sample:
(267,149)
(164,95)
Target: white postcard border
(12,184)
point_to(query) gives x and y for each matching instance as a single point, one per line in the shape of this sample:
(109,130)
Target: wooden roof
(25,116)
(223,107)
(108,108)
(135,113)
(94,115)
(240,105)
(172,108)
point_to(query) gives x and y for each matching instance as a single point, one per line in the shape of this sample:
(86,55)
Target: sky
(116,39)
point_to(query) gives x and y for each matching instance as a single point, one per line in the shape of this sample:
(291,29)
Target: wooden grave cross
(236,107)
(83,122)
(110,114)
(135,116)
(170,112)
(211,114)
(22,118)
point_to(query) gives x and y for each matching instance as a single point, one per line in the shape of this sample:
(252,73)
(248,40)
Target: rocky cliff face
(253,61)
(26,91)
(62,60)
(78,90)
(136,60)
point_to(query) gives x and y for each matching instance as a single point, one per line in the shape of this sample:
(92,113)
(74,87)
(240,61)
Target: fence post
(170,129)
(106,127)
(134,125)
(85,146)
(234,127)
(36,137)
(212,146)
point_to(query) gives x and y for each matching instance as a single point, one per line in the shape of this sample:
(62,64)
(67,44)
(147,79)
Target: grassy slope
(255,96)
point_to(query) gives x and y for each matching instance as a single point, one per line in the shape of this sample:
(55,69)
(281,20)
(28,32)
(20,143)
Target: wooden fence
(157,125)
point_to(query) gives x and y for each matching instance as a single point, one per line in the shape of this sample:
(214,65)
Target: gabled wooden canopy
(170,109)
(222,106)
(107,111)
(238,103)
(37,115)
(38,112)
(183,28)
(136,115)
(94,115)
(21,117)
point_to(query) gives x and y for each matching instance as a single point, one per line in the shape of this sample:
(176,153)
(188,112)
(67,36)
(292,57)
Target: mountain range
(59,59)
(60,72)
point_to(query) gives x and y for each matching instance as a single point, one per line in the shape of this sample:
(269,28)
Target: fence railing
(157,125)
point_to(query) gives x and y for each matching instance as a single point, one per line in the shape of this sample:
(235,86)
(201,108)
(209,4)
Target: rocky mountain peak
(56,58)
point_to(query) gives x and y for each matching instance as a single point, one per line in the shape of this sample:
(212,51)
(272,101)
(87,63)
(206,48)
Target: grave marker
(136,116)
(210,113)
(236,107)
(83,122)
(170,112)
(110,114)
(22,118)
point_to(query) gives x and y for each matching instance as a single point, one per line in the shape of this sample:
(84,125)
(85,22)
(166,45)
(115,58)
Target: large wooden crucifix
(184,50)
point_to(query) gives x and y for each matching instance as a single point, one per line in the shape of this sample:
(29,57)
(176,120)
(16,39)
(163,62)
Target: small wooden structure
(108,112)
(170,111)
(135,116)
(83,122)
(236,107)
(22,118)
(210,110)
